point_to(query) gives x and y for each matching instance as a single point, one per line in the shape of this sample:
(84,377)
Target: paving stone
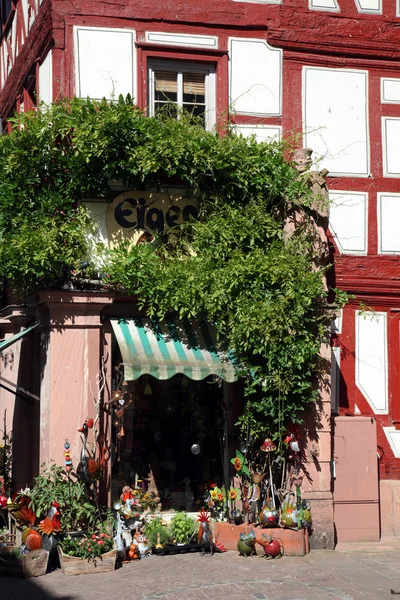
(321,575)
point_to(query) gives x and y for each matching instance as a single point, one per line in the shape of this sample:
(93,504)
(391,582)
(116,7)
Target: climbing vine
(232,266)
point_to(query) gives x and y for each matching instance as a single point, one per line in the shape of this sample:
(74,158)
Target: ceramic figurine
(272,546)
(246,544)
(269,516)
(141,541)
(204,533)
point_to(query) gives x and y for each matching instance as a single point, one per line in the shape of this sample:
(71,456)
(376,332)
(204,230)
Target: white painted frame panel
(182,39)
(371,359)
(388,223)
(335,379)
(369,10)
(397,8)
(127,79)
(46,79)
(336,324)
(393,437)
(388,97)
(263,133)
(348,221)
(181,67)
(326,5)
(251,91)
(390,146)
(325,92)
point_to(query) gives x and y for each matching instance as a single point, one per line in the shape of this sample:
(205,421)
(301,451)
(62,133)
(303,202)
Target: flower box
(72,565)
(33,564)
(295,543)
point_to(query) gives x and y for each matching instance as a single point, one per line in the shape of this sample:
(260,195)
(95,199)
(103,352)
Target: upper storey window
(175,86)
(5,10)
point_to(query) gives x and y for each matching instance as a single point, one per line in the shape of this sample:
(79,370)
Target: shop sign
(138,216)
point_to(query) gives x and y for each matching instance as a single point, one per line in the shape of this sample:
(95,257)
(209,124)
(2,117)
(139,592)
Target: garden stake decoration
(268,446)
(67,456)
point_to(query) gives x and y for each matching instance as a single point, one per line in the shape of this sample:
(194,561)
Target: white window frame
(180,67)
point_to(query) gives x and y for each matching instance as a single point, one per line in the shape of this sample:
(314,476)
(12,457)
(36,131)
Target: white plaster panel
(371,359)
(335,379)
(46,79)
(25,11)
(388,223)
(335,114)
(397,8)
(14,36)
(98,238)
(348,221)
(336,324)
(263,133)
(255,77)
(330,5)
(369,6)
(104,60)
(393,437)
(391,154)
(181,39)
(390,90)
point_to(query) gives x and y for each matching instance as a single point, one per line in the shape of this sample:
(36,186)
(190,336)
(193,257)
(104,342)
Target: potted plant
(93,553)
(183,528)
(157,533)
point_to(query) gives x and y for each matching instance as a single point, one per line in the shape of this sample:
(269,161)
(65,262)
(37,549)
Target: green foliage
(77,512)
(182,528)
(232,267)
(154,527)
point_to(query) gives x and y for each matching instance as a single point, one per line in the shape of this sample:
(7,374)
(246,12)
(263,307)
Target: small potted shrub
(183,528)
(93,553)
(157,533)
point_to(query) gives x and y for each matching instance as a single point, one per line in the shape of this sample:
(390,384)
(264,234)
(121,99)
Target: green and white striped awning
(164,348)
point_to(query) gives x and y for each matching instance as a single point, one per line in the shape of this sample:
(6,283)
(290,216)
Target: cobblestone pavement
(320,575)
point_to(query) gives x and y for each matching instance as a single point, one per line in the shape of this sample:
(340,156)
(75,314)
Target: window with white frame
(176,86)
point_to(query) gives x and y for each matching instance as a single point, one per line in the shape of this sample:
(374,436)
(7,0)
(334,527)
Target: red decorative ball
(90,423)
(3,502)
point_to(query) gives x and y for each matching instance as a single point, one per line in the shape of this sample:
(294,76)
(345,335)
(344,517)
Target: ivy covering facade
(232,267)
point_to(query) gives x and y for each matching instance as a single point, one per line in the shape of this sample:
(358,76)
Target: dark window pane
(166,109)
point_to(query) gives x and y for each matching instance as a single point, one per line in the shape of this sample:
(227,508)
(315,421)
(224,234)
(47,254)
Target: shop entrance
(174,440)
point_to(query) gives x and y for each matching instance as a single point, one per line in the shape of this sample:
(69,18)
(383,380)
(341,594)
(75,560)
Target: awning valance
(165,348)
(14,338)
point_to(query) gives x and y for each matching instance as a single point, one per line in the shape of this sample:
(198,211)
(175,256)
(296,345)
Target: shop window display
(172,442)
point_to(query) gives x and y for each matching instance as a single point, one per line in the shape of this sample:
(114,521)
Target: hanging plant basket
(72,565)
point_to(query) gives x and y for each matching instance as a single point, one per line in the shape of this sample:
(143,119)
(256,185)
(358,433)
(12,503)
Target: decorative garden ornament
(246,544)
(272,546)
(269,516)
(268,446)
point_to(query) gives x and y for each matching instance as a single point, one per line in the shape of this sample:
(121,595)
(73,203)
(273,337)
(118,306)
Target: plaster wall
(72,347)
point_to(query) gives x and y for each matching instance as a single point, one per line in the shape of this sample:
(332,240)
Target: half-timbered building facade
(326,72)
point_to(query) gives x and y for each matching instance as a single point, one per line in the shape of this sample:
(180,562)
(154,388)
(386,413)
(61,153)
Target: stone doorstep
(385,544)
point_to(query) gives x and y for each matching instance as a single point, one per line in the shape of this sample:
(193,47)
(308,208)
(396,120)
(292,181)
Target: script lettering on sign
(138,216)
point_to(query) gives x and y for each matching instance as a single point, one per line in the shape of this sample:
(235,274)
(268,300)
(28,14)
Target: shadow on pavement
(14,588)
